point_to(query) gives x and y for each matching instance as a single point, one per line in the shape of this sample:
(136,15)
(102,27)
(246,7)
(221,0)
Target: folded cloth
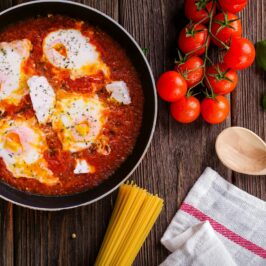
(198,246)
(217,224)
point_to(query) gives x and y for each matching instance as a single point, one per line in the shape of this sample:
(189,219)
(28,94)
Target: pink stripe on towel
(224,231)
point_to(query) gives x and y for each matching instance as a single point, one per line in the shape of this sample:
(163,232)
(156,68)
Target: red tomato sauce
(124,121)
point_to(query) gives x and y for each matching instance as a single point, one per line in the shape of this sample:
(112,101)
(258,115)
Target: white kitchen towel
(198,246)
(217,224)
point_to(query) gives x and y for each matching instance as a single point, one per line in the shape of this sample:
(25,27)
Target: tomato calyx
(181,59)
(226,23)
(191,94)
(210,94)
(201,4)
(220,75)
(191,31)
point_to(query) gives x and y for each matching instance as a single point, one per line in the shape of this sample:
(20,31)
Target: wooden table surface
(177,156)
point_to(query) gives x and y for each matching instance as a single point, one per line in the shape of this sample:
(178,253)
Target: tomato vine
(224,30)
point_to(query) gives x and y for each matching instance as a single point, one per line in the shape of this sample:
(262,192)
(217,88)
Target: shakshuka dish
(71,105)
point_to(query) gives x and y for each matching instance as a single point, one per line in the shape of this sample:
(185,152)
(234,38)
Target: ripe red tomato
(221,79)
(232,7)
(186,110)
(193,39)
(240,55)
(197,10)
(171,86)
(233,2)
(225,26)
(192,70)
(215,111)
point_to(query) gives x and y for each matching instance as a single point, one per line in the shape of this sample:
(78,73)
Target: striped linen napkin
(217,225)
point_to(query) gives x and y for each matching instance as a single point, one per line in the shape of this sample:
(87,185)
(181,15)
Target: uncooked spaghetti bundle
(134,214)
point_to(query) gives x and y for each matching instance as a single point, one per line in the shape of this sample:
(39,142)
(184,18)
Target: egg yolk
(61,49)
(83,128)
(12,142)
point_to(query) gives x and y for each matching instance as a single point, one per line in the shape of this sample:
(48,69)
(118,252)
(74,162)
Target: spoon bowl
(242,151)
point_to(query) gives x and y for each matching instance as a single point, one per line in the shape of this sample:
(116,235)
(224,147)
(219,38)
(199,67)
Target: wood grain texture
(6,234)
(247,110)
(169,168)
(177,156)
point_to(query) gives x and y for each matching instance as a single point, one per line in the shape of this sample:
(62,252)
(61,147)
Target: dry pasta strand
(133,217)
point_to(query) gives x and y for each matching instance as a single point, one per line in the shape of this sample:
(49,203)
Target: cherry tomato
(171,86)
(197,10)
(215,111)
(225,26)
(221,79)
(231,7)
(186,110)
(233,2)
(240,55)
(193,39)
(192,70)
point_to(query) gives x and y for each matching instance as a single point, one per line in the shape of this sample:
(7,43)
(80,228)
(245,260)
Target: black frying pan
(95,17)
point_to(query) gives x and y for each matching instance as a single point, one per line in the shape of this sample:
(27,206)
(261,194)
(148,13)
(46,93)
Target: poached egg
(69,49)
(22,144)
(78,120)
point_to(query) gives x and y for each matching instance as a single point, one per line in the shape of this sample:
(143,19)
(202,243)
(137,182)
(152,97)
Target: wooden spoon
(242,150)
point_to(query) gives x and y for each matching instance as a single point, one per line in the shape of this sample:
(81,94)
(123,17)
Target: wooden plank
(5,4)
(45,238)
(247,111)
(6,234)
(179,153)
(108,7)
(151,23)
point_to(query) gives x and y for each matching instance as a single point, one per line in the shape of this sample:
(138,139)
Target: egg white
(22,144)
(42,97)
(82,167)
(119,92)
(70,50)
(13,86)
